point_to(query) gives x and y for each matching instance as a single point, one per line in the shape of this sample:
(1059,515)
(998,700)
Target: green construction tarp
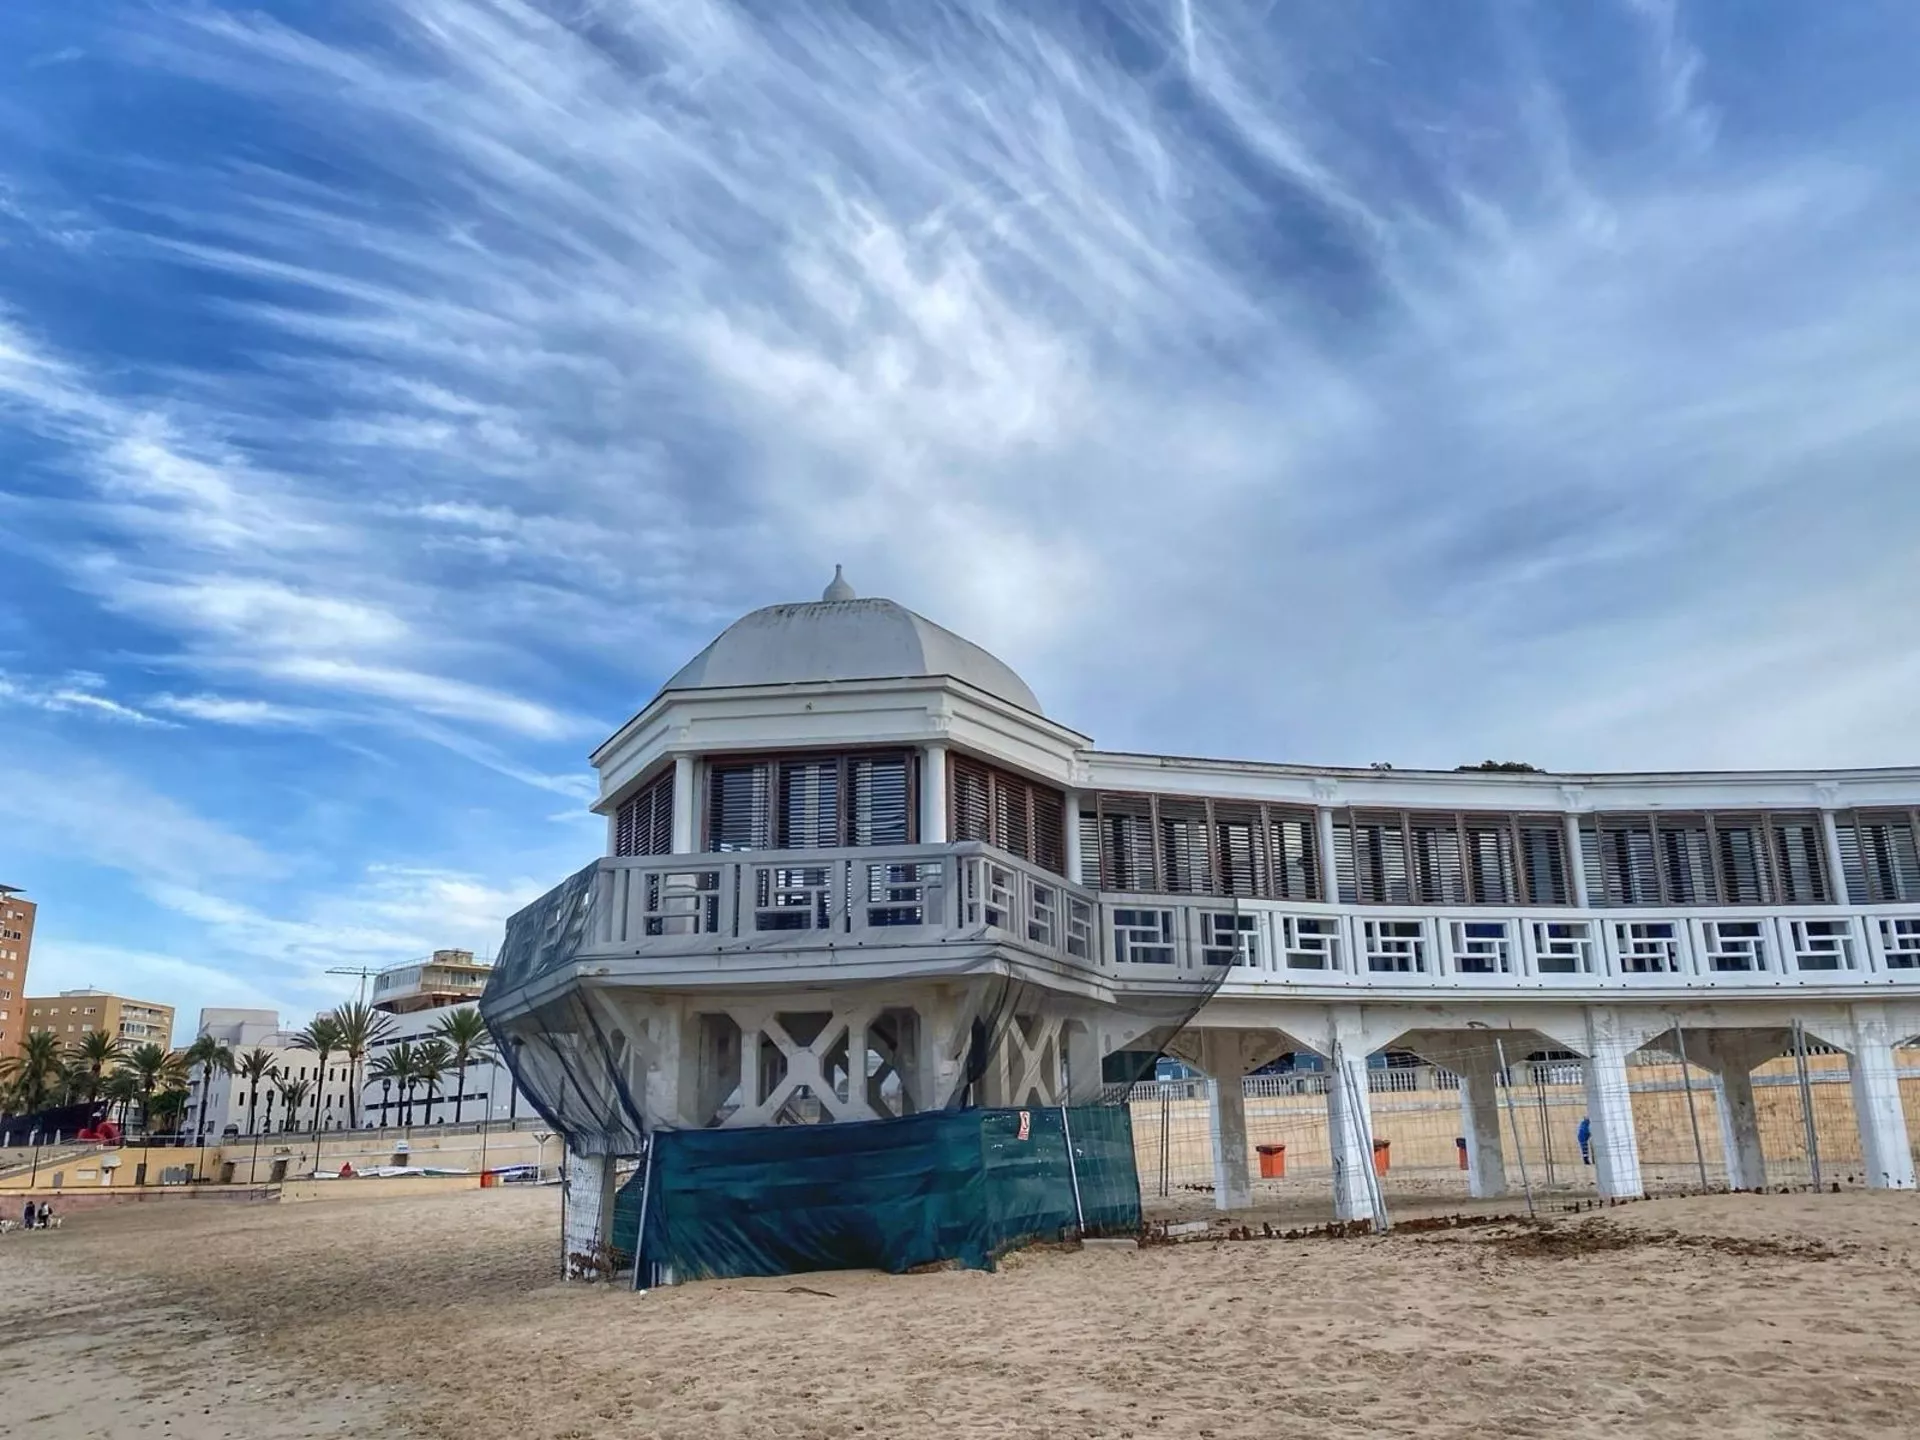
(960,1186)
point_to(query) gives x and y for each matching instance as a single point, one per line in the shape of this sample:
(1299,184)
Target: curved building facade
(843,812)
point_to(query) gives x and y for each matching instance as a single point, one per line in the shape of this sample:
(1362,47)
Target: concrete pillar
(1227,1133)
(1329,871)
(1576,865)
(1350,1133)
(685,842)
(933,795)
(1076,862)
(1616,1148)
(1740,1129)
(588,1227)
(1884,1148)
(1480,1124)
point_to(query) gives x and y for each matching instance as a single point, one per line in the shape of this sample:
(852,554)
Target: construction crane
(363,972)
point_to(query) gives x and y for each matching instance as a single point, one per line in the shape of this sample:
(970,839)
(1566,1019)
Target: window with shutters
(811,802)
(1148,844)
(1723,858)
(1419,857)
(643,825)
(1021,816)
(1879,856)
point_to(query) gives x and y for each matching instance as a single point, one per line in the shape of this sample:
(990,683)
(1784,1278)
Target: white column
(1480,1124)
(1576,864)
(1616,1148)
(1830,832)
(1076,863)
(933,795)
(1884,1148)
(1350,1134)
(1329,872)
(684,840)
(1227,1133)
(588,1198)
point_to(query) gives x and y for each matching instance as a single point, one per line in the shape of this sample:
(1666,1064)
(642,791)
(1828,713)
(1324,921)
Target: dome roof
(840,637)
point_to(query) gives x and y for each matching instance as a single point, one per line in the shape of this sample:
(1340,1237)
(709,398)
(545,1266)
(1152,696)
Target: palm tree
(361,1026)
(432,1059)
(468,1042)
(253,1067)
(156,1067)
(32,1074)
(400,1064)
(294,1094)
(121,1089)
(168,1107)
(90,1056)
(211,1058)
(322,1036)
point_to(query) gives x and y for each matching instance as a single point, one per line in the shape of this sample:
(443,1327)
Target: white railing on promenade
(800,901)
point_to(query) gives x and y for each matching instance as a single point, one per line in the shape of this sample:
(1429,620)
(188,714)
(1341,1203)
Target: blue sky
(392,394)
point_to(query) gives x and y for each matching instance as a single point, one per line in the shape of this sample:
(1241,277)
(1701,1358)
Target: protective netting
(958,1186)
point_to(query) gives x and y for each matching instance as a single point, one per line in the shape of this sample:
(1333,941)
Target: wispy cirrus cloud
(1320,382)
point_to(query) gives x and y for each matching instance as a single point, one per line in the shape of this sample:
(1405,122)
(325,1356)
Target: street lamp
(386,1101)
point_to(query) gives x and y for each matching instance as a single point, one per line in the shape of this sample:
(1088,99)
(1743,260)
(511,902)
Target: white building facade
(839,809)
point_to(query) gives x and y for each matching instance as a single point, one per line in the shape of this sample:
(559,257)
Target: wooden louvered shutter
(1800,860)
(1490,873)
(1740,856)
(880,809)
(1686,861)
(1185,867)
(1543,862)
(1296,857)
(1437,873)
(1879,855)
(1380,858)
(1240,846)
(1630,872)
(809,817)
(970,798)
(644,824)
(738,810)
(1012,816)
(1126,844)
(1049,809)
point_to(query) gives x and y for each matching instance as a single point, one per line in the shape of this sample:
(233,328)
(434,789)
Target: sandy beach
(439,1317)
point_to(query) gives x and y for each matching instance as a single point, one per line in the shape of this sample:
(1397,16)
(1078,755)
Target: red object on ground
(346,1171)
(1273,1161)
(1381,1149)
(107,1133)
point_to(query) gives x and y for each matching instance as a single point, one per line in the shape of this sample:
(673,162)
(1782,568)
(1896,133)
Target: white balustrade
(772,902)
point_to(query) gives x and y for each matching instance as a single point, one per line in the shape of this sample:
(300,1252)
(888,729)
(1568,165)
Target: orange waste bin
(1380,1153)
(1273,1161)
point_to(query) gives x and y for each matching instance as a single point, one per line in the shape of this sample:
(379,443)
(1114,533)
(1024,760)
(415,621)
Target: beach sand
(1735,1316)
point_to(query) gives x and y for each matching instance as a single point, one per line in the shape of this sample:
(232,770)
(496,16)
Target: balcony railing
(803,902)
(815,899)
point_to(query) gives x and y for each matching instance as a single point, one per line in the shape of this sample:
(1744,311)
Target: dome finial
(837,588)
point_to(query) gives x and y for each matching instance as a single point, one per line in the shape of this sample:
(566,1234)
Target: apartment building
(16,946)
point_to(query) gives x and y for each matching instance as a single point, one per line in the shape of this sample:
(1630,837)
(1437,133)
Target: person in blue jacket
(1585,1136)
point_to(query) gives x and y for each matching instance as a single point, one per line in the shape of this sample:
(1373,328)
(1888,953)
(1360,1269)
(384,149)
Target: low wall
(371,1187)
